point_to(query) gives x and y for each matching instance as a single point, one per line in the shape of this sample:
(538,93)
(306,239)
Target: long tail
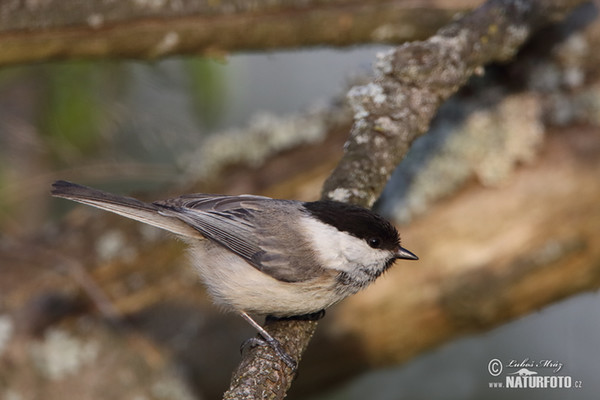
(126,206)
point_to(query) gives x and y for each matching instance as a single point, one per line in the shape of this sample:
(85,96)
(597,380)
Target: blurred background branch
(60,30)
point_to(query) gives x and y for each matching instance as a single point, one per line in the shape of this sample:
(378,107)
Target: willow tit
(265,256)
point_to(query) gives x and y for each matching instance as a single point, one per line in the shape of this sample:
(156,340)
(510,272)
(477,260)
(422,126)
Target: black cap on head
(357,221)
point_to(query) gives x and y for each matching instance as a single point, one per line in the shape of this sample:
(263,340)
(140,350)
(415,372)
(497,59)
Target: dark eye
(374,242)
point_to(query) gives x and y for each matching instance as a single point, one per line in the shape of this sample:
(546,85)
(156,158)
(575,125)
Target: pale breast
(234,284)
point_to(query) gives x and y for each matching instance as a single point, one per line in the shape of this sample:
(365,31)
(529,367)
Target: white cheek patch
(340,250)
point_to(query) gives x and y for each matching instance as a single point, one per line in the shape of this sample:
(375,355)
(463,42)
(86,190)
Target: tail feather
(126,206)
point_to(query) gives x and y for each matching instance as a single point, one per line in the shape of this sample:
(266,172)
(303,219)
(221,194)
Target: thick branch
(414,79)
(392,111)
(59,29)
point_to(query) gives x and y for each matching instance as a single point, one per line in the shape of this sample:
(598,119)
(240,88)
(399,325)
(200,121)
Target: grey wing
(214,202)
(243,224)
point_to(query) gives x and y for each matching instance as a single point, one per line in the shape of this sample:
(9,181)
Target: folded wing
(250,226)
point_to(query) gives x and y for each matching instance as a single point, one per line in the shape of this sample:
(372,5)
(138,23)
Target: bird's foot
(274,344)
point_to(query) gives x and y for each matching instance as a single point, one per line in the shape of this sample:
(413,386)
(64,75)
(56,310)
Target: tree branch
(68,29)
(394,109)
(411,82)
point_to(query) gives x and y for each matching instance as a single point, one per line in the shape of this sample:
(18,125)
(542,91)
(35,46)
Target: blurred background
(98,307)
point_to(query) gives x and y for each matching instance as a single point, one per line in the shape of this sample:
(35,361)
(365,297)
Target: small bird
(258,255)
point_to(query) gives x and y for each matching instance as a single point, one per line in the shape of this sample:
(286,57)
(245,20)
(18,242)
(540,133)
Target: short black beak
(405,254)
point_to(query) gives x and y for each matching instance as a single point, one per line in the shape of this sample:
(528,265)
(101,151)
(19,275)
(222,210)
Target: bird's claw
(275,345)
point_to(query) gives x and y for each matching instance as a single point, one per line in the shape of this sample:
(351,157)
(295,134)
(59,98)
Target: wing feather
(228,220)
(239,223)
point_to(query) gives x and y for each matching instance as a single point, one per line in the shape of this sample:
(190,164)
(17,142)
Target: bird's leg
(271,341)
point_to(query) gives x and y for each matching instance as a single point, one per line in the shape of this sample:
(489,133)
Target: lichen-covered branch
(411,82)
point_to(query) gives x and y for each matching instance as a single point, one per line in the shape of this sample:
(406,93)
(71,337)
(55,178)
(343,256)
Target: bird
(265,256)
